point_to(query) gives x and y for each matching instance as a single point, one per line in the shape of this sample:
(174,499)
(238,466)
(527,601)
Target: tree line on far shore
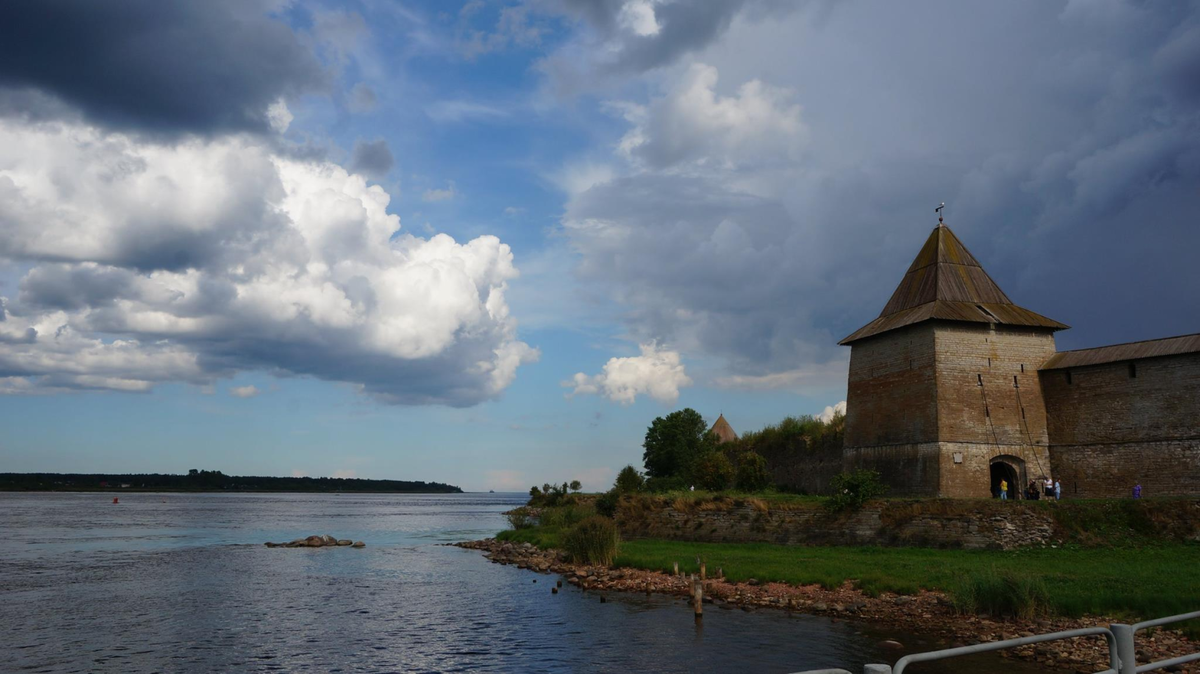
(211,480)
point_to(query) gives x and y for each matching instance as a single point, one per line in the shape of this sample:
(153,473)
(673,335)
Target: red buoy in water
(114,499)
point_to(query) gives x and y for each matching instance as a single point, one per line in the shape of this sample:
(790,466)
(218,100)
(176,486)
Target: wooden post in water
(702,571)
(698,598)
(676,568)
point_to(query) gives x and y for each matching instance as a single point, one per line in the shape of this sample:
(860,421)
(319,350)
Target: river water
(182,583)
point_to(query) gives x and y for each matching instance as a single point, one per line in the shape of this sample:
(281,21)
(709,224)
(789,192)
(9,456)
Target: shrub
(520,518)
(851,490)
(564,516)
(629,480)
(592,541)
(576,485)
(752,474)
(606,504)
(1002,595)
(713,471)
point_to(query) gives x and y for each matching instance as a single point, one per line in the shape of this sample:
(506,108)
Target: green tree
(629,480)
(752,473)
(673,442)
(713,471)
(576,485)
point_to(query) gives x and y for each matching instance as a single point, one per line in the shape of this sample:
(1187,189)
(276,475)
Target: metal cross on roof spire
(938,210)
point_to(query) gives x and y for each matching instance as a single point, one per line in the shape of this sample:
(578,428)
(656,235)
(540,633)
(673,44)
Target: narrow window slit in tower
(1132,370)
(989,363)
(1022,368)
(1015,384)
(979,377)
(1068,377)
(986,412)
(1022,412)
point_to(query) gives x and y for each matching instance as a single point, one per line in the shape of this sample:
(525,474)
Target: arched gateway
(1011,469)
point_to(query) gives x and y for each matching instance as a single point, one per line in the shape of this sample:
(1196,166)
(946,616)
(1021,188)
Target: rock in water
(358,544)
(345,541)
(329,540)
(314,541)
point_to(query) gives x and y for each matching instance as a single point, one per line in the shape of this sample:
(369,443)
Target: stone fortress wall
(1116,424)
(954,390)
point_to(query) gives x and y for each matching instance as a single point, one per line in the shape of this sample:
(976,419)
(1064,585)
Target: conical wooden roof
(723,430)
(946,282)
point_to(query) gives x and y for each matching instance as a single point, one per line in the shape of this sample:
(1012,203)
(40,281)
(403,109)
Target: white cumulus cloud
(191,261)
(657,373)
(693,123)
(831,411)
(244,391)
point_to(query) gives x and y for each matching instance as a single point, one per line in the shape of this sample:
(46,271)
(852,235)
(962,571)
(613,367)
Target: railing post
(877,669)
(1126,654)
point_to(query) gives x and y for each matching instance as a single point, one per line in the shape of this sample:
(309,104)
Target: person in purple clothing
(1137,490)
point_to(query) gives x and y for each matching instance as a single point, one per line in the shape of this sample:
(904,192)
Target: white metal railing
(1119,630)
(1122,654)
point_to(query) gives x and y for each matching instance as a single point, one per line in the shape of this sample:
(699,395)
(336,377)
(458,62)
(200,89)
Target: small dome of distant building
(723,430)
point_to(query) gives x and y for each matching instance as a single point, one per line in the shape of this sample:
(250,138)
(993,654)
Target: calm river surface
(182,583)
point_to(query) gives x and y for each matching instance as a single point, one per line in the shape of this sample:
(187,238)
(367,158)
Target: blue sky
(487,243)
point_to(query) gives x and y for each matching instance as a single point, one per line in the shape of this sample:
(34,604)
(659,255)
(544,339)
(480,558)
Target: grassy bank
(1142,582)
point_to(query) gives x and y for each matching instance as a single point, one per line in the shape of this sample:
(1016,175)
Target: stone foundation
(939,523)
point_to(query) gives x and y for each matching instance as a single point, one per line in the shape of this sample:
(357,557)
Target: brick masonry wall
(1104,404)
(1164,468)
(1108,429)
(998,412)
(971,478)
(921,395)
(806,470)
(891,397)
(907,470)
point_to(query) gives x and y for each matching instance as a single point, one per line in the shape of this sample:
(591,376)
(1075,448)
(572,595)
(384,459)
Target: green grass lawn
(1142,582)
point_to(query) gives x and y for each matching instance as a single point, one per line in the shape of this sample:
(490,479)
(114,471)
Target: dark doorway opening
(1005,472)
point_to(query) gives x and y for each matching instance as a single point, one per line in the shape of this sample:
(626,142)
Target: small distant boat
(491,491)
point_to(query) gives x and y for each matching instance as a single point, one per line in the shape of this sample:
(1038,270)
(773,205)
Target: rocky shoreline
(927,613)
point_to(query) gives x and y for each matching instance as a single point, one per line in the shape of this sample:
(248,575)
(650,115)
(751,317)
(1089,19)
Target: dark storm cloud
(156,66)
(1067,147)
(67,287)
(372,158)
(612,49)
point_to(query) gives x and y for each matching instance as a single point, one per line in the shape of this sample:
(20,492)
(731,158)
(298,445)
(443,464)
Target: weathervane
(938,210)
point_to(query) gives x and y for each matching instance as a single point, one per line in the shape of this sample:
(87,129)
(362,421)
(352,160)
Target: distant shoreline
(163,490)
(213,481)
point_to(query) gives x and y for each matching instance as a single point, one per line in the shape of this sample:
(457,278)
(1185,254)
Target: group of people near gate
(1052,489)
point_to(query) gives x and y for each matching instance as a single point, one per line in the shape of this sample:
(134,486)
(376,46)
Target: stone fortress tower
(943,396)
(954,388)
